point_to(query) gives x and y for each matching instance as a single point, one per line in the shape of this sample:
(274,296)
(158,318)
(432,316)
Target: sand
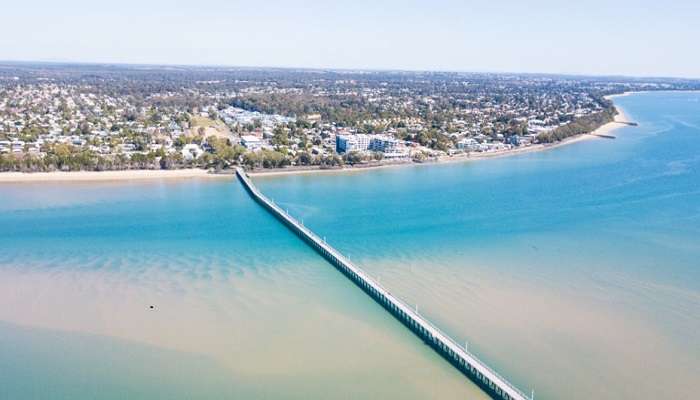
(86,176)
(198,173)
(606,129)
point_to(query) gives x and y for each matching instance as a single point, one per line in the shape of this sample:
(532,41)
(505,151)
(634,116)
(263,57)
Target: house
(17,146)
(191,151)
(127,147)
(251,142)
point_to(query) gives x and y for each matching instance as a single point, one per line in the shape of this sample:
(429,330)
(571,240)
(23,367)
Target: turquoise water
(573,271)
(242,308)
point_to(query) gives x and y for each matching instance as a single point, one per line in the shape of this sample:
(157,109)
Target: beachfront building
(383,143)
(468,144)
(361,142)
(348,143)
(397,155)
(251,142)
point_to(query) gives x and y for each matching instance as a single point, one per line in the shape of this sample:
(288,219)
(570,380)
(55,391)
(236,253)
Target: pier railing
(459,356)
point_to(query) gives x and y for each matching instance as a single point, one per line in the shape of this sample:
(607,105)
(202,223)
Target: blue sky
(623,37)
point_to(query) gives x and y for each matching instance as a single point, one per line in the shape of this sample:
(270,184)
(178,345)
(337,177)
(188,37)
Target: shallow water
(573,271)
(241,308)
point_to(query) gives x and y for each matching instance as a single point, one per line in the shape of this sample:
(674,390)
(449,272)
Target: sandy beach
(620,120)
(87,176)
(90,176)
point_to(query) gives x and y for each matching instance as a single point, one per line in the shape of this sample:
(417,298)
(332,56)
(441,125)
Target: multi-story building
(383,143)
(348,143)
(361,142)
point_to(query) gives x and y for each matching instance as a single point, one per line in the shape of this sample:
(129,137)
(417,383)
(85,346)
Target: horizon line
(344,69)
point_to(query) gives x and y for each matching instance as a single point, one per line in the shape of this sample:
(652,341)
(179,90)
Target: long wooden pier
(490,381)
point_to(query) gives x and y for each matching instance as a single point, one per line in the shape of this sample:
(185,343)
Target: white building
(191,151)
(251,142)
(468,144)
(383,143)
(361,142)
(348,143)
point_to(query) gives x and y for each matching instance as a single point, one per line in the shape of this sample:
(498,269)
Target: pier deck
(492,383)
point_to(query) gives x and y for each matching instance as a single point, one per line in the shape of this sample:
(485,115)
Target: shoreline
(105,176)
(141,175)
(618,122)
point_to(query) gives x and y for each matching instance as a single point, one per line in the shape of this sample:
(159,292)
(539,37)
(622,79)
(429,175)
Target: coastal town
(334,200)
(102,118)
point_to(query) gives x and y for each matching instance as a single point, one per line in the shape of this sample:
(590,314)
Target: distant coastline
(155,174)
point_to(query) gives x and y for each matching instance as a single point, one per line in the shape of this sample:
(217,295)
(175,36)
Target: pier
(491,382)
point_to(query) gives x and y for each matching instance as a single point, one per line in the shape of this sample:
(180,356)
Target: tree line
(578,126)
(221,154)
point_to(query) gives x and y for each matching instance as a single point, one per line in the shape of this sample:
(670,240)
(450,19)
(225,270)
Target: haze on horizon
(633,38)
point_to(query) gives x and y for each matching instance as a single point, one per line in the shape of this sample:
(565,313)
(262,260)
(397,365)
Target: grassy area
(211,127)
